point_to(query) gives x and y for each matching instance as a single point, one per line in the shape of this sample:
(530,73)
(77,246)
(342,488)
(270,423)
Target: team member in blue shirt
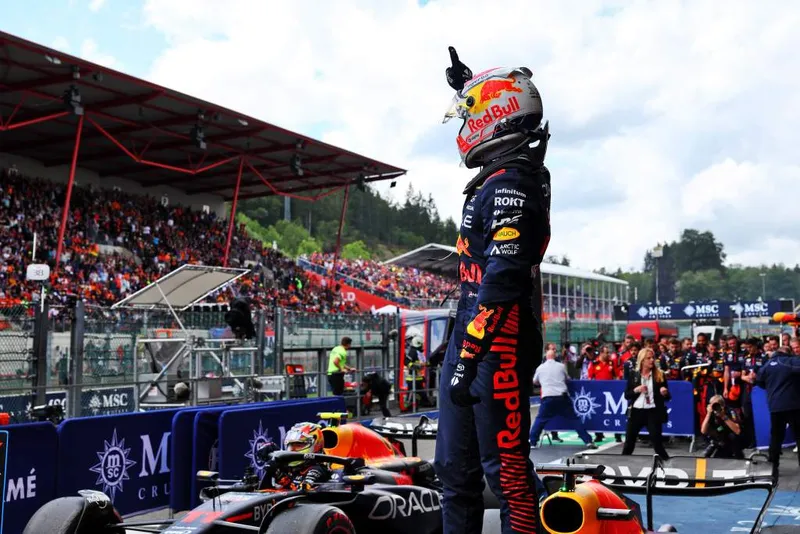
(780,377)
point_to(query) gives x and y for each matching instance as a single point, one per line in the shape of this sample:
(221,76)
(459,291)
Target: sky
(664,114)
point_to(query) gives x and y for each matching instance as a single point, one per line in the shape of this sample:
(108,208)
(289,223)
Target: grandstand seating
(117,242)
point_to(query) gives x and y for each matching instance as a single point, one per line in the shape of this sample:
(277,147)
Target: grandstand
(148,171)
(589,295)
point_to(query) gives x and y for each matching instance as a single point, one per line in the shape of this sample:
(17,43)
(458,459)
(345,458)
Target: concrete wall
(85,177)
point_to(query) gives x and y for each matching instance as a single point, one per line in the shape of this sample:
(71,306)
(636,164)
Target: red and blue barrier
(143,461)
(31,472)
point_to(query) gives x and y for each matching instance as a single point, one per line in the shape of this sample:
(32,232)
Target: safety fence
(84,349)
(142,461)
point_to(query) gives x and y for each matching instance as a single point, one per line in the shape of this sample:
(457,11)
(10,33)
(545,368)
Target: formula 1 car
(394,493)
(588,497)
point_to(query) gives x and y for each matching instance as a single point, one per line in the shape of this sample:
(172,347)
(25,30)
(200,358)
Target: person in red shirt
(625,350)
(603,367)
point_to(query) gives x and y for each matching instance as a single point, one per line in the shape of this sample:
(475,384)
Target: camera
(716,407)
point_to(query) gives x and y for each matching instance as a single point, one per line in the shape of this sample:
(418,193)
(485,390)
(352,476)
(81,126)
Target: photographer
(722,426)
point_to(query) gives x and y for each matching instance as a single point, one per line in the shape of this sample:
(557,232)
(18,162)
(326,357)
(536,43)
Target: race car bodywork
(588,493)
(373,487)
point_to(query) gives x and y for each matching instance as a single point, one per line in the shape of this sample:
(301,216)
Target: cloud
(664,115)
(91,52)
(96,5)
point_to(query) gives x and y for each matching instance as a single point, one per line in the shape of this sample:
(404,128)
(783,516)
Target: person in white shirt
(552,377)
(646,393)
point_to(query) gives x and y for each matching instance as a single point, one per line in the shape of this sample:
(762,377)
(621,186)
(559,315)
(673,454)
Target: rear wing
(680,476)
(688,473)
(406,428)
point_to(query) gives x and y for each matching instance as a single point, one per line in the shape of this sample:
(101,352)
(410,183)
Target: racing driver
(487,375)
(306,438)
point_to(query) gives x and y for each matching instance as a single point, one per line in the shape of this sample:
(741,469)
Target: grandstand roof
(444,259)
(142,132)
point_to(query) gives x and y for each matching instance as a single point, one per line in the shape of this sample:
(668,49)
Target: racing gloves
(480,333)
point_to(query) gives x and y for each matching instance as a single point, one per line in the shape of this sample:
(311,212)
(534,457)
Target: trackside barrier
(131,457)
(30,481)
(182,452)
(242,432)
(602,406)
(125,456)
(181,468)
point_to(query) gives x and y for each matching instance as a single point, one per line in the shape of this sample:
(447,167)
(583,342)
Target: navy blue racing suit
(504,233)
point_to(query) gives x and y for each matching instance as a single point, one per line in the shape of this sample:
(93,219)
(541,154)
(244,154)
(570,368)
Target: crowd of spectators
(725,370)
(116,243)
(393,282)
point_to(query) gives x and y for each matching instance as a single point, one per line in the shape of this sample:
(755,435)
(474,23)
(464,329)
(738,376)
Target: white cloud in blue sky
(665,114)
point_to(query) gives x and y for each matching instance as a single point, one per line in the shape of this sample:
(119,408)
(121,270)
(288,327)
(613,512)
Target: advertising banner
(601,405)
(639,311)
(95,401)
(243,432)
(29,478)
(125,456)
(180,452)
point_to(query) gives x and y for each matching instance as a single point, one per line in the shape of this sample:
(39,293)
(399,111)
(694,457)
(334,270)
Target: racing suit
(305,475)
(504,233)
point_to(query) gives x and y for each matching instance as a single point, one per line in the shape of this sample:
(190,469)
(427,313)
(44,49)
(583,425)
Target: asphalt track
(710,515)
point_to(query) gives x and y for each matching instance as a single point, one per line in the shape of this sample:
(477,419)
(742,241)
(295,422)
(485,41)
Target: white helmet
(502,111)
(416,342)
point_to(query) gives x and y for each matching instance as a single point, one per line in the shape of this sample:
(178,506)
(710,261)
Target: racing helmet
(305,438)
(502,113)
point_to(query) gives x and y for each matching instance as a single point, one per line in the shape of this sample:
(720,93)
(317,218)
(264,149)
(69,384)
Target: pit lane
(730,513)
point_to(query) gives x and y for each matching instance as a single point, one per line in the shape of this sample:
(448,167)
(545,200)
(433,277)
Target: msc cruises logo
(112,470)
(584,404)
(260,438)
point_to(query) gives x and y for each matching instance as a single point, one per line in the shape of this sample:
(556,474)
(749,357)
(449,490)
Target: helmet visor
(456,109)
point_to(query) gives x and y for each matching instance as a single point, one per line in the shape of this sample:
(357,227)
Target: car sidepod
(391,509)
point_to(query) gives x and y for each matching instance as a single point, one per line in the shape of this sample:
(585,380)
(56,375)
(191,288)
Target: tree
(291,235)
(308,246)
(698,251)
(355,251)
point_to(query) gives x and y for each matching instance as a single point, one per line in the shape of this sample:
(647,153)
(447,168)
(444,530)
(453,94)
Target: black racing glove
(466,371)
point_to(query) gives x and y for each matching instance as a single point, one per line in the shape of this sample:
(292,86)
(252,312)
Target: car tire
(71,515)
(311,519)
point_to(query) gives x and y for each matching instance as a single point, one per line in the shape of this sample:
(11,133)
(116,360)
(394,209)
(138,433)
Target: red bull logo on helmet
(493,114)
(484,93)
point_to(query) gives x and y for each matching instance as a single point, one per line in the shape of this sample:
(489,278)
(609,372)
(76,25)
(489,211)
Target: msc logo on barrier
(584,404)
(114,465)
(112,470)
(260,438)
(105,402)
